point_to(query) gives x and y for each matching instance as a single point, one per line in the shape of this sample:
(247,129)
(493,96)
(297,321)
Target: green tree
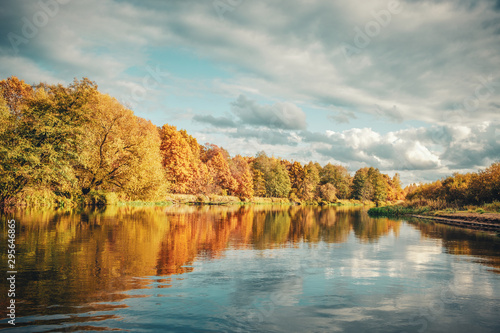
(362,188)
(277,181)
(339,177)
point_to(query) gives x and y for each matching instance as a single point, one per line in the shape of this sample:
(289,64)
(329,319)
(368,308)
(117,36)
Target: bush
(111,198)
(35,197)
(492,207)
(430,203)
(328,192)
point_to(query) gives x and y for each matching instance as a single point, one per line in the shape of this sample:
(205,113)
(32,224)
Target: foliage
(362,188)
(177,159)
(462,189)
(396,210)
(65,144)
(277,181)
(308,188)
(120,152)
(40,138)
(328,192)
(240,170)
(339,177)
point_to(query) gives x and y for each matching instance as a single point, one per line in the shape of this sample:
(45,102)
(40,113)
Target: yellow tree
(308,187)
(221,174)
(119,152)
(296,173)
(259,183)
(39,147)
(240,171)
(177,159)
(15,93)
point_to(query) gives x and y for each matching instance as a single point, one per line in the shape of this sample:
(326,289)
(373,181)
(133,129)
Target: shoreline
(490,222)
(479,220)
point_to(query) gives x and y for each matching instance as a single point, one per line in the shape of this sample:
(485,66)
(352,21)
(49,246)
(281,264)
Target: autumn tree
(259,183)
(16,93)
(240,170)
(362,188)
(40,147)
(484,186)
(395,192)
(15,165)
(260,166)
(217,161)
(339,177)
(296,174)
(119,152)
(177,159)
(308,186)
(378,184)
(277,181)
(221,174)
(328,192)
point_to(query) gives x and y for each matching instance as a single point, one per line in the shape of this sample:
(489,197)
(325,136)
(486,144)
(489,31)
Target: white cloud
(437,62)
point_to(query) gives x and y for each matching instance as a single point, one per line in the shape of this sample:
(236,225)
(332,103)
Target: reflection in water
(73,264)
(483,245)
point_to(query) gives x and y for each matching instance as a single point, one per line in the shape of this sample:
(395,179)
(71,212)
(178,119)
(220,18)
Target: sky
(405,86)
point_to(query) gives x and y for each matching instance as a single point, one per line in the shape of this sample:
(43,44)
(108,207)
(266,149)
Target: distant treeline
(475,188)
(63,144)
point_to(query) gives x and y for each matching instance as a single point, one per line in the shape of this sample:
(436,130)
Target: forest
(65,145)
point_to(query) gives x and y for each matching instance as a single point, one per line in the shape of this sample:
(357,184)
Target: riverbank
(188,199)
(101,198)
(486,222)
(478,219)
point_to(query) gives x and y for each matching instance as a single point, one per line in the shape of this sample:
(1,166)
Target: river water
(247,269)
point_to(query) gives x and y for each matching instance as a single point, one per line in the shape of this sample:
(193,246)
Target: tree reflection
(76,258)
(459,241)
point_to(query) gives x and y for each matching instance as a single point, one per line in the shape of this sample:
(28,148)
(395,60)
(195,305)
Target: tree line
(68,142)
(474,188)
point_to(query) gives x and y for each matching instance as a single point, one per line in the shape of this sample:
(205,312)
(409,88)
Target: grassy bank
(48,199)
(397,210)
(431,207)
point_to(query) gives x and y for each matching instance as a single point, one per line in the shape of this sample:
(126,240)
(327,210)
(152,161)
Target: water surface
(248,269)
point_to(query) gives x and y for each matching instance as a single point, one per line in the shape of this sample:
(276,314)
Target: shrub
(328,192)
(493,207)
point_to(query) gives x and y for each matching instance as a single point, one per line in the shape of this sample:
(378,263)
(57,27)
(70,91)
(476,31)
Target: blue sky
(406,86)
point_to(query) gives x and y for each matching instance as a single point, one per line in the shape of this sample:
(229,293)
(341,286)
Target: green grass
(397,210)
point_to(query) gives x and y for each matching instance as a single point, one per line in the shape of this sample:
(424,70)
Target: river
(247,269)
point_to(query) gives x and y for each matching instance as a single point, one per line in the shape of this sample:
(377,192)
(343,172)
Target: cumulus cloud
(435,62)
(267,136)
(279,115)
(405,71)
(453,147)
(220,122)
